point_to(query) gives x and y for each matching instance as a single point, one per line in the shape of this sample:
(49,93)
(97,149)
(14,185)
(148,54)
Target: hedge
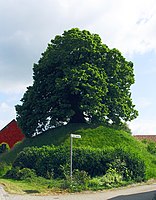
(48,160)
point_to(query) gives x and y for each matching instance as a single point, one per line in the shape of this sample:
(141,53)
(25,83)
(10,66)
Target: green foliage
(111,178)
(4,167)
(77,78)
(101,139)
(104,158)
(120,167)
(132,166)
(45,161)
(122,126)
(20,174)
(4,148)
(79,181)
(151,147)
(95,183)
(56,136)
(95,162)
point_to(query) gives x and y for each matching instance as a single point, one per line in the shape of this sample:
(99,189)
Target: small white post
(71,152)
(71,155)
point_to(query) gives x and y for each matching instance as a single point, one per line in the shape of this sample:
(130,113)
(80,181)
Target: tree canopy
(77,79)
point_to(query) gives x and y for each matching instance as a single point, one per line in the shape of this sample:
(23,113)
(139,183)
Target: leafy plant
(151,147)
(78,182)
(4,167)
(120,166)
(111,178)
(20,174)
(93,161)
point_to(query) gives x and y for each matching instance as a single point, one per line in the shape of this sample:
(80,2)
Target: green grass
(55,136)
(35,186)
(103,137)
(92,136)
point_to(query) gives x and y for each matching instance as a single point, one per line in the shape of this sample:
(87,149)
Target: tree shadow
(139,196)
(31,191)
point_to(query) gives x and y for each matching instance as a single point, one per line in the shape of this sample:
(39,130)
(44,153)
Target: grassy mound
(55,136)
(95,137)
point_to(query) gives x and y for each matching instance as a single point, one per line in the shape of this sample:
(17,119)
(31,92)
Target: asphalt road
(144,192)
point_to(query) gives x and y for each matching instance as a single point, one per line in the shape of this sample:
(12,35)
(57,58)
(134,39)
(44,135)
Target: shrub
(26,173)
(78,182)
(4,148)
(93,161)
(20,174)
(27,158)
(121,168)
(4,167)
(12,173)
(95,183)
(151,147)
(111,178)
(135,165)
(47,161)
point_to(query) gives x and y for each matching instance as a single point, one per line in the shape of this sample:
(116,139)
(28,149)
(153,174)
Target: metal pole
(71,155)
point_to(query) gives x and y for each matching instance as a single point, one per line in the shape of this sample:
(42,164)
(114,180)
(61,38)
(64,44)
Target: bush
(4,148)
(93,161)
(47,161)
(78,182)
(95,183)
(4,167)
(151,147)
(121,168)
(20,174)
(111,178)
(135,165)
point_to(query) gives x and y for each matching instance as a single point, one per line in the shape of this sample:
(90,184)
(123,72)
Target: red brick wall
(146,137)
(11,134)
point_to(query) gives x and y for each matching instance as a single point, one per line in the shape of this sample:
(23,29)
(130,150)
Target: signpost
(71,152)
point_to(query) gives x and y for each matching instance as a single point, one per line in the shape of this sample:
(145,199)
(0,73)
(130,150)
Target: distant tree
(77,79)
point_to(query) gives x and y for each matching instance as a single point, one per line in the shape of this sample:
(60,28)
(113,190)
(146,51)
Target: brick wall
(146,137)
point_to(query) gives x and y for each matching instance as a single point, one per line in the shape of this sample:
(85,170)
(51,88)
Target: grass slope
(96,137)
(55,136)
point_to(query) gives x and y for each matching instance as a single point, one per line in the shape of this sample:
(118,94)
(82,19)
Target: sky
(27,26)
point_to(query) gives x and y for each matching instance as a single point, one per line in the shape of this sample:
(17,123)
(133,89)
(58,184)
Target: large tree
(77,79)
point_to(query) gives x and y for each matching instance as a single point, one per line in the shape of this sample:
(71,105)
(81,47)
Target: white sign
(75,136)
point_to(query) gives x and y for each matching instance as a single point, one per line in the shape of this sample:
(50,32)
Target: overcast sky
(27,26)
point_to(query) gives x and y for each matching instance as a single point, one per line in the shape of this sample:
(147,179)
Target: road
(144,192)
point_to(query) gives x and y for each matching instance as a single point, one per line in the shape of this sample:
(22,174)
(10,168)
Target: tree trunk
(78,117)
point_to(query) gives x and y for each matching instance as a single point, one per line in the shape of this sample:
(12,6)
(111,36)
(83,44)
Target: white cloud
(143,127)
(143,103)
(7,113)
(13,87)
(4,107)
(130,25)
